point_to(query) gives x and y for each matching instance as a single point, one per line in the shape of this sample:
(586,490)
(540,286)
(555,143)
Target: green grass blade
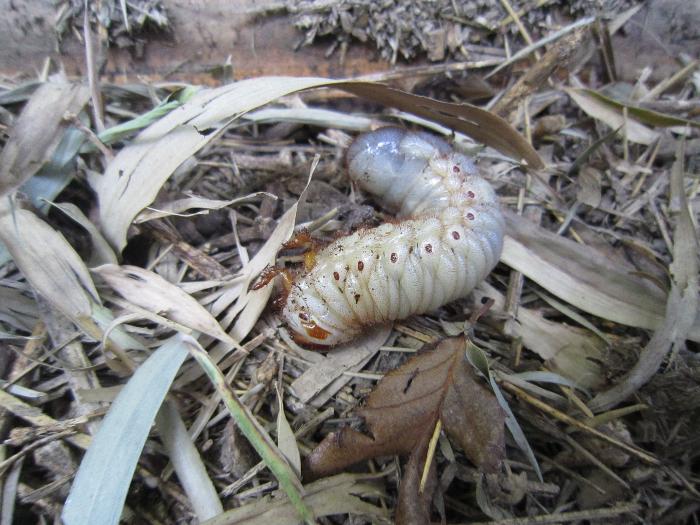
(257,436)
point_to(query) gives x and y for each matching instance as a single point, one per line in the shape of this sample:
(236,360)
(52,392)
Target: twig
(668,82)
(561,416)
(91,136)
(93,79)
(542,42)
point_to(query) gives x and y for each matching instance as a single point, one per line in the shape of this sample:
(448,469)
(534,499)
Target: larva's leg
(269,273)
(303,239)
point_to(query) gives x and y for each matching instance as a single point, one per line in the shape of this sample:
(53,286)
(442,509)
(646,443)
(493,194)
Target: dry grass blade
(646,116)
(561,416)
(100,486)
(583,277)
(251,303)
(543,42)
(323,118)
(188,464)
(36,417)
(573,352)
(153,293)
(50,264)
(335,495)
(102,252)
(182,206)
(9,494)
(682,304)
(286,441)
(634,130)
(241,303)
(557,58)
(327,370)
(38,131)
(17,310)
(256,435)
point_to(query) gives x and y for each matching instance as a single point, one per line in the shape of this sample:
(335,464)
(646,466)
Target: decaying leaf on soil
(401,413)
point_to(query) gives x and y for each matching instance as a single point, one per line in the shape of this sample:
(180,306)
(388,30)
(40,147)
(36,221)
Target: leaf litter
(587,349)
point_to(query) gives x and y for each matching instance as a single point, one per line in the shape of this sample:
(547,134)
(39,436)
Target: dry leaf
(102,252)
(584,277)
(153,293)
(17,310)
(38,131)
(330,367)
(435,384)
(413,506)
(613,117)
(50,264)
(286,440)
(682,304)
(589,187)
(183,206)
(573,352)
(342,494)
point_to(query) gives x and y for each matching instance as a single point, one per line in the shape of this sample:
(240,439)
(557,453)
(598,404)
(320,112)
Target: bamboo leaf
(38,131)
(104,475)
(50,264)
(153,293)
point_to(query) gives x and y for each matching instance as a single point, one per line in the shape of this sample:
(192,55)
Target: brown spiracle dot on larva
(443,207)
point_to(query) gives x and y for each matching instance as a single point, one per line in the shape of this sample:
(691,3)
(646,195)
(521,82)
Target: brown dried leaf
(409,400)
(484,126)
(413,507)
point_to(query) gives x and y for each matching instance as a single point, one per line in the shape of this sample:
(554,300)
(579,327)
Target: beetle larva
(449,237)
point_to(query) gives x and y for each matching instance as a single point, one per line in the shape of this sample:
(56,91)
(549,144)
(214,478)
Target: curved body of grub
(448,238)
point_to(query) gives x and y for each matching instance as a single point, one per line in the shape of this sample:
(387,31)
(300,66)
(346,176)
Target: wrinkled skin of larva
(449,237)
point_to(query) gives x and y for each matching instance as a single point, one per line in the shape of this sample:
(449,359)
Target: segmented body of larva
(449,237)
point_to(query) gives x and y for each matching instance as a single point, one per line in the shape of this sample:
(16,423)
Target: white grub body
(448,238)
